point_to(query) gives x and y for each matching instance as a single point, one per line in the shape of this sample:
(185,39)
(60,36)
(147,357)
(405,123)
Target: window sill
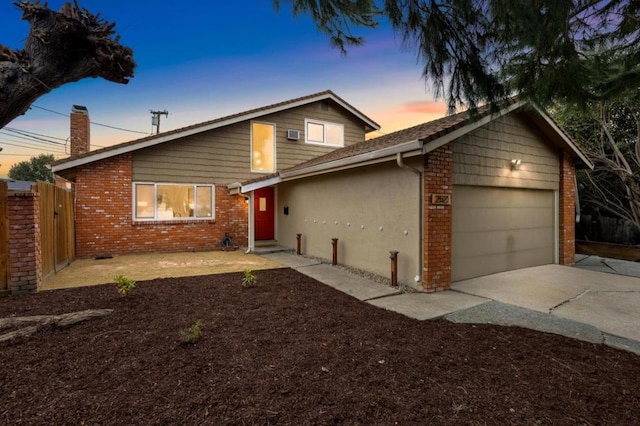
(157,222)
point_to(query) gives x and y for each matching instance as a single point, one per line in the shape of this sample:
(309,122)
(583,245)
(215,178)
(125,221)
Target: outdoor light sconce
(515,164)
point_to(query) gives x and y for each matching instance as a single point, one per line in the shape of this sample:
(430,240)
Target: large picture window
(319,132)
(165,201)
(263,147)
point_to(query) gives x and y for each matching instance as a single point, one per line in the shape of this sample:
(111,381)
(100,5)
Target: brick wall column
(25,260)
(438,179)
(567,220)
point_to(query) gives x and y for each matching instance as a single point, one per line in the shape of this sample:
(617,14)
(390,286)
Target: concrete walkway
(578,302)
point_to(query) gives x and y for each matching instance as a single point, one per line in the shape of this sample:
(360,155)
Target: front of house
(168,192)
(456,198)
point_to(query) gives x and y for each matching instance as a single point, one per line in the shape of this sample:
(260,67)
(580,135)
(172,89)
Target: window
(318,132)
(263,147)
(166,201)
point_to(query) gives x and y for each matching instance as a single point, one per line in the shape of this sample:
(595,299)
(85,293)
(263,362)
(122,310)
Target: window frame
(275,145)
(156,218)
(324,125)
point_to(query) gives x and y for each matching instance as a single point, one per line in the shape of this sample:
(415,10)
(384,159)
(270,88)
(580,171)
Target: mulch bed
(292,351)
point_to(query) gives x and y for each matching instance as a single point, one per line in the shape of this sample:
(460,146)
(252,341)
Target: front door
(264,213)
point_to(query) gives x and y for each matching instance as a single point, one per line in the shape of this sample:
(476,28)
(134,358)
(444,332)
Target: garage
(500,229)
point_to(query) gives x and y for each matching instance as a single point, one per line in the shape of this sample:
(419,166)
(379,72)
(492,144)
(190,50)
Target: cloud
(424,107)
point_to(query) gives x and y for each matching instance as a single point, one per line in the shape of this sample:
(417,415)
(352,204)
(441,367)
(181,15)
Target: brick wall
(25,261)
(438,179)
(567,210)
(104,224)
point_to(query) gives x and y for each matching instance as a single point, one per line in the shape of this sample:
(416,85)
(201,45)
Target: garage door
(500,229)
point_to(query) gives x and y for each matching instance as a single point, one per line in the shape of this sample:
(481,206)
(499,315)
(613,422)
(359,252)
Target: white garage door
(500,229)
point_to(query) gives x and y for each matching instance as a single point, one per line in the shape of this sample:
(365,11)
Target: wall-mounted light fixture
(515,164)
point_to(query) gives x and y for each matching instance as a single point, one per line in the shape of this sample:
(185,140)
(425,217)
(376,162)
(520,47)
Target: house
(463,196)
(168,192)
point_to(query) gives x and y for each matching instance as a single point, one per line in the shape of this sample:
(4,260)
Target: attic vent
(293,135)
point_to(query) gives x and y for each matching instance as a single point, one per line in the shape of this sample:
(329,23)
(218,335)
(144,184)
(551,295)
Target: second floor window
(263,147)
(319,132)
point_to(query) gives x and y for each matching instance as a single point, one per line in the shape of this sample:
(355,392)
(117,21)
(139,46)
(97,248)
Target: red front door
(264,213)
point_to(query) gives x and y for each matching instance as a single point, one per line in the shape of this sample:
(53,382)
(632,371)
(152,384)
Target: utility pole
(155,120)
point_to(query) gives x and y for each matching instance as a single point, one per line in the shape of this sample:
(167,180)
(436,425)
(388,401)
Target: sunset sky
(214,59)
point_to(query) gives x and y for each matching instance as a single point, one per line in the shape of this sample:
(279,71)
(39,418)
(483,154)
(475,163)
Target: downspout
(250,231)
(402,165)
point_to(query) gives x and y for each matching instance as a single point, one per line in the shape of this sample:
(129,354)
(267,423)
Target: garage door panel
(495,242)
(499,229)
(495,219)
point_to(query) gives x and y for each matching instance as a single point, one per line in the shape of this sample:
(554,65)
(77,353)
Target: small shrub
(124,285)
(191,334)
(249,279)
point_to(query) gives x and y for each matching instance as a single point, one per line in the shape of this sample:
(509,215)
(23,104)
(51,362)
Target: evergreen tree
(37,168)
(476,51)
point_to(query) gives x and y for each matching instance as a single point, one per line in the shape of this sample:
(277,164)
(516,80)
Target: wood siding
(483,157)
(222,155)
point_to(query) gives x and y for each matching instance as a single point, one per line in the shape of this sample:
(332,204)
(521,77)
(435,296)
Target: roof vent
(293,135)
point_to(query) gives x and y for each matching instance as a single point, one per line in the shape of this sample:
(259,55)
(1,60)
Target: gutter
(354,160)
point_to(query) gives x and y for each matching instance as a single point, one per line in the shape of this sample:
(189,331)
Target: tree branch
(61,47)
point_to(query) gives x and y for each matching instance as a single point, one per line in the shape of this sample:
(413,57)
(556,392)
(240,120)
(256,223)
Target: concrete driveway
(607,301)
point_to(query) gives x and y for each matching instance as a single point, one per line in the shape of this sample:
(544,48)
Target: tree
(609,132)
(61,47)
(37,168)
(476,51)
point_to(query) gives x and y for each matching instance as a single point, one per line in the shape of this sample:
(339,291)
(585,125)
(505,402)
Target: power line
(29,137)
(37,148)
(11,129)
(92,122)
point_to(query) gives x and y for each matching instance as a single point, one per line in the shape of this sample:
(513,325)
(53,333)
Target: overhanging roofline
(443,140)
(356,159)
(564,137)
(104,154)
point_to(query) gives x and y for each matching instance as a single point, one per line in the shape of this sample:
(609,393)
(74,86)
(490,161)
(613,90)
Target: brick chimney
(80,138)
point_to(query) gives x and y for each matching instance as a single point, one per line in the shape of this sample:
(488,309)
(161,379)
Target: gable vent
(293,135)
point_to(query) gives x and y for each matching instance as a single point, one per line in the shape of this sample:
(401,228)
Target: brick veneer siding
(25,259)
(567,230)
(104,224)
(438,179)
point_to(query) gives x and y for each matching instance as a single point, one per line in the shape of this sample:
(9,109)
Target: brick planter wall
(438,179)
(104,223)
(25,261)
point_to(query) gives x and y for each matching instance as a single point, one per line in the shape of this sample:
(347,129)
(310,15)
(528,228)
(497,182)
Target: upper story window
(263,147)
(166,201)
(320,132)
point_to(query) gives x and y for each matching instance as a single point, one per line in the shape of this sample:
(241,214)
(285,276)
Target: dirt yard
(292,351)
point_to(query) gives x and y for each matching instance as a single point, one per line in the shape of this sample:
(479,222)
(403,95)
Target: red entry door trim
(264,213)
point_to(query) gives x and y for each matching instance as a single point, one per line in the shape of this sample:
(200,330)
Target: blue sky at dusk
(215,59)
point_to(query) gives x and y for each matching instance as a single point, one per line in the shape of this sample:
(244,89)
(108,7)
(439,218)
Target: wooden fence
(57,232)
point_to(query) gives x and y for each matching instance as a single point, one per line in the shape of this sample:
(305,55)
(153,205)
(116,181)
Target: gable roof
(111,151)
(416,140)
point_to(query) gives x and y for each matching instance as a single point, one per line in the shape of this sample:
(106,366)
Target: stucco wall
(367,209)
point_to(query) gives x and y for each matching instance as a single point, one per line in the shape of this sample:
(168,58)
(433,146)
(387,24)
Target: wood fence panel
(65,231)
(4,239)
(47,224)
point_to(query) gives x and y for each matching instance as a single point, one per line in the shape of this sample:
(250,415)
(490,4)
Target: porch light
(515,164)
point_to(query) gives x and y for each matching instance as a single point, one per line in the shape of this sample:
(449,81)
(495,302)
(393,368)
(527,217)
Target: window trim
(324,135)
(275,146)
(155,217)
